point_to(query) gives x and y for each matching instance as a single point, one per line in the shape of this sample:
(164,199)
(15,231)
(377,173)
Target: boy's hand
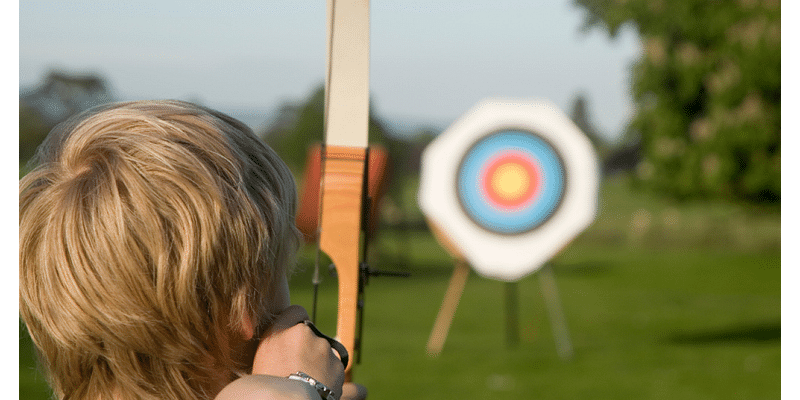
(290,346)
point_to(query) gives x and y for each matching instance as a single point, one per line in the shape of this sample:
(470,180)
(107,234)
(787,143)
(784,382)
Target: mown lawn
(662,301)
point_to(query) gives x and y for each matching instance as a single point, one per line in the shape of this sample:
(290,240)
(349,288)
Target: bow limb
(344,157)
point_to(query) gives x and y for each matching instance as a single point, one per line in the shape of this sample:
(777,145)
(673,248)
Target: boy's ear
(248,327)
(239,310)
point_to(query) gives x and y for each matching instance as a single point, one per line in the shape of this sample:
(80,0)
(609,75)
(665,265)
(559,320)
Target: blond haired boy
(155,242)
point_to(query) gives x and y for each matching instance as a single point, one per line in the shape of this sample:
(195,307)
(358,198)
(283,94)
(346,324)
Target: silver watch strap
(325,392)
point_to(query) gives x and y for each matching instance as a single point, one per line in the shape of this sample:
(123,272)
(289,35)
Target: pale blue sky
(430,60)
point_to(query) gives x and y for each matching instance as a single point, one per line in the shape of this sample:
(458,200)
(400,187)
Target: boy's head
(151,233)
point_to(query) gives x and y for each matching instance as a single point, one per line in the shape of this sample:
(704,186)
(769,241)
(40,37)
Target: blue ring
(479,207)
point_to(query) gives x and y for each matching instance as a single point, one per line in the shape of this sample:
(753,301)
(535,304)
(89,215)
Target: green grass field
(662,301)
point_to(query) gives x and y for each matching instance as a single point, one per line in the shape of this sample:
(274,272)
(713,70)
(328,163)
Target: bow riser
(341,230)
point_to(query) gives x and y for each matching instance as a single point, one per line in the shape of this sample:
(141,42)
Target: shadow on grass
(742,334)
(588,269)
(399,263)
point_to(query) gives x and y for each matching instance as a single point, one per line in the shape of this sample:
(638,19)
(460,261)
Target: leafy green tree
(300,126)
(32,131)
(707,90)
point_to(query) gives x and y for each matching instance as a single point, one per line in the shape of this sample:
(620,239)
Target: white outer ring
(510,257)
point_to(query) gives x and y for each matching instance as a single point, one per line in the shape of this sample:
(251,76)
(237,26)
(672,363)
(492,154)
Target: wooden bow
(344,158)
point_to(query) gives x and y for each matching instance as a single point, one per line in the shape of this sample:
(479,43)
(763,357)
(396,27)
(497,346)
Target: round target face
(510,182)
(508,185)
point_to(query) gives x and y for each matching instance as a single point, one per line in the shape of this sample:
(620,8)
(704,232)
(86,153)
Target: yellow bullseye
(510,181)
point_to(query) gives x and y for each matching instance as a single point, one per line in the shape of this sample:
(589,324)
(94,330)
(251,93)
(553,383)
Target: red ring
(521,159)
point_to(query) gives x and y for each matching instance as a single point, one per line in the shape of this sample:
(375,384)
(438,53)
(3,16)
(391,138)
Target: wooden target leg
(445,317)
(557,321)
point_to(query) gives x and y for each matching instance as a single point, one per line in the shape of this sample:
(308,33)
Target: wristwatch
(325,392)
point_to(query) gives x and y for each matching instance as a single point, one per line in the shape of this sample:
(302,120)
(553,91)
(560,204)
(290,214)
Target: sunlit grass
(662,300)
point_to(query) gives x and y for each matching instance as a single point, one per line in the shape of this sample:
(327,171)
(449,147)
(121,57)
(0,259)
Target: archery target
(510,182)
(508,185)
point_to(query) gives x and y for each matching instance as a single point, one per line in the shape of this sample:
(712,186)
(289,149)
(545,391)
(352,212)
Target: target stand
(505,188)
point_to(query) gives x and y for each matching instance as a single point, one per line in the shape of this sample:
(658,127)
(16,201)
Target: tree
(707,90)
(32,131)
(299,126)
(58,96)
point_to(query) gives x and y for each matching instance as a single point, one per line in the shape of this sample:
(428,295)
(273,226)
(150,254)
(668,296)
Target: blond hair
(149,231)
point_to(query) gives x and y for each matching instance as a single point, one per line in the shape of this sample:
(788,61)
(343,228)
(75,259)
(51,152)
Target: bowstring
(315,278)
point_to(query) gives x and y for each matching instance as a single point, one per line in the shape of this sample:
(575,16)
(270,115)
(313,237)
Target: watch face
(510,181)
